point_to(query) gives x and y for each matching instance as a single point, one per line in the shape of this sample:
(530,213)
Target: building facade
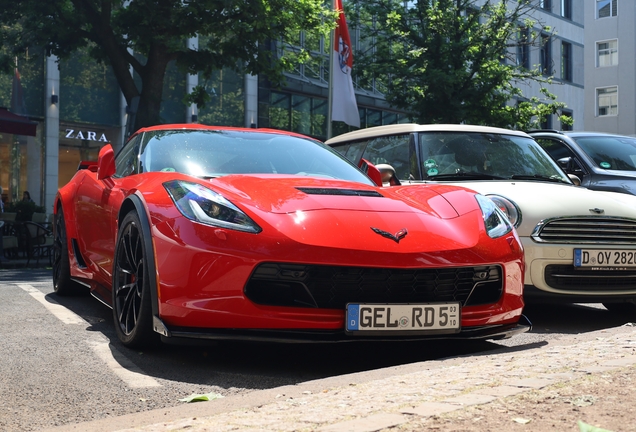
(610,82)
(78,107)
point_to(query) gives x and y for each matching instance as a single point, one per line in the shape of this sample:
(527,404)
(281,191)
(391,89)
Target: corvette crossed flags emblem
(395,237)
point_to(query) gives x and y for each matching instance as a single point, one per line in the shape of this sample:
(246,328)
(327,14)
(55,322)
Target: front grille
(332,287)
(568,278)
(587,230)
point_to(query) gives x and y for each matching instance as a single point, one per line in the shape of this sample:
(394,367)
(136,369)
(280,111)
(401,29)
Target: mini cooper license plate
(403,318)
(603,259)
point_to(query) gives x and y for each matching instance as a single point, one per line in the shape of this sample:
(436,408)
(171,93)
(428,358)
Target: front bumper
(550,274)
(187,336)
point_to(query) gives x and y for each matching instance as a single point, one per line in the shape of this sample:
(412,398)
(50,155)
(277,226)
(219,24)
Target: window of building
(605,8)
(523,47)
(545,55)
(566,61)
(566,9)
(607,101)
(607,53)
(547,122)
(565,126)
(546,5)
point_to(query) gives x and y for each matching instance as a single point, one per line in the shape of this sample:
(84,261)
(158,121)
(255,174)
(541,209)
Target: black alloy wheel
(132,307)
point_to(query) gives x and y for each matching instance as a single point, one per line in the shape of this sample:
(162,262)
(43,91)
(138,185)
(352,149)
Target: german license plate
(433,318)
(603,259)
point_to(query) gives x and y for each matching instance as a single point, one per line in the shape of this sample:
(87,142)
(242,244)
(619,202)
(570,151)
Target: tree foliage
(147,35)
(453,61)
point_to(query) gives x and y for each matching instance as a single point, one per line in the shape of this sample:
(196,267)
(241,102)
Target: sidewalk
(589,378)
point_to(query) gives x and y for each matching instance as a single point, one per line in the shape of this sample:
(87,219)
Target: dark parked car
(602,161)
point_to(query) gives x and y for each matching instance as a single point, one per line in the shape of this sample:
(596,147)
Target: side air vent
(344,192)
(78,255)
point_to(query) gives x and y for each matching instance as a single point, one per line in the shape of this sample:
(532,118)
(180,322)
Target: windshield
(212,153)
(471,155)
(615,153)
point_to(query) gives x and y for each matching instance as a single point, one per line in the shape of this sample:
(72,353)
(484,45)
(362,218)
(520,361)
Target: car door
(96,210)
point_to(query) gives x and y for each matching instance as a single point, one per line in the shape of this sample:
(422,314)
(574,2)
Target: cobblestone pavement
(400,398)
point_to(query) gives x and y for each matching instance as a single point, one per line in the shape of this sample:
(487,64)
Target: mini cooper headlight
(509,208)
(497,224)
(198,203)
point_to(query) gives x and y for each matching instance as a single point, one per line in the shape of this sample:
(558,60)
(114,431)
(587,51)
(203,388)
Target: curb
(385,398)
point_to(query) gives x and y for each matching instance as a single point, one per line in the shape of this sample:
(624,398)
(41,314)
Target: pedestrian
(26,197)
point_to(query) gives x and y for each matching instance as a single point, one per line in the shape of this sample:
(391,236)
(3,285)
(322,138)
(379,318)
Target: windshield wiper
(465,175)
(554,179)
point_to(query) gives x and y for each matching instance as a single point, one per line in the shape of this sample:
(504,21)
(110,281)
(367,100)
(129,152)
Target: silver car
(580,245)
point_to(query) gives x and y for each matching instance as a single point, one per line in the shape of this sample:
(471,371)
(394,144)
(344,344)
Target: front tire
(132,304)
(63,285)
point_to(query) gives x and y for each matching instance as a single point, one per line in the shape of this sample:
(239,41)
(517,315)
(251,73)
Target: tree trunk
(150,96)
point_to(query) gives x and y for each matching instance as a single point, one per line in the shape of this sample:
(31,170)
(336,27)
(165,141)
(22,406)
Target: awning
(14,124)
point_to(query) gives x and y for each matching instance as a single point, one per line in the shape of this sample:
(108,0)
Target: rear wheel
(62,283)
(623,308)
(132,305)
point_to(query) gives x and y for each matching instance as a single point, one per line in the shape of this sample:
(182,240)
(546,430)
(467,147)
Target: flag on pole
(17,97)
(343,99)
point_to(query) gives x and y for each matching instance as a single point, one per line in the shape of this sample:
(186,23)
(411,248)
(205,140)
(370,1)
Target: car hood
(288,194)
(312,211)
(542,200)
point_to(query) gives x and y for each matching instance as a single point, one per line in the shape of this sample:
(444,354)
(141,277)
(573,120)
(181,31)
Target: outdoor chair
(8,239)
(39,242)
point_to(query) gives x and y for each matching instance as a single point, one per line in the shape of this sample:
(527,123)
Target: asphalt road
(61,363)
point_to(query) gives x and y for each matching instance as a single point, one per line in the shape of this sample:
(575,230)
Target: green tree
(453,61)
(146,35)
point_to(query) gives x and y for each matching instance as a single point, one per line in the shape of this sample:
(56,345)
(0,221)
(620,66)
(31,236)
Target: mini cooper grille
(567,278)
(333,287)
(590,230)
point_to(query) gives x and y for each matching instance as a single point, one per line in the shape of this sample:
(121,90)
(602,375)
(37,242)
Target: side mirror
(370,170)
(565,163)
(106,162)
(575,179)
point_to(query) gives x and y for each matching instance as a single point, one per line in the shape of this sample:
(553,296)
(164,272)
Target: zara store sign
(85,135)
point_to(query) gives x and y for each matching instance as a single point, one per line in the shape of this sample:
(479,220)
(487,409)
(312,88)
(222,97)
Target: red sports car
(199,232)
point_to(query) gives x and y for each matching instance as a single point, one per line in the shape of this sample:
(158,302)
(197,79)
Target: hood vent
(343,192)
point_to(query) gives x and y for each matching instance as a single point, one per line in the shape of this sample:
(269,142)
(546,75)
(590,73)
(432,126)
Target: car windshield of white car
(482,156)
(215,153)
(613,153)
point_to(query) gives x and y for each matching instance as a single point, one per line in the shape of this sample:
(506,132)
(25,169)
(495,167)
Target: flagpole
(330,87)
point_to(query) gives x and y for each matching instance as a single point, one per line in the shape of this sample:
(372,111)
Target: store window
(13,164)
(607,101)
(89,92)
(78,143)
(226,106)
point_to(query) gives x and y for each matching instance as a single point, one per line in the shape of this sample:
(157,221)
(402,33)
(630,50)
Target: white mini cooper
(580,245)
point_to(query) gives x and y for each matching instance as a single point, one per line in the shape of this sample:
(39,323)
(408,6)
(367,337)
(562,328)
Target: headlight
(509,208)
(497,224)
(203,205)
